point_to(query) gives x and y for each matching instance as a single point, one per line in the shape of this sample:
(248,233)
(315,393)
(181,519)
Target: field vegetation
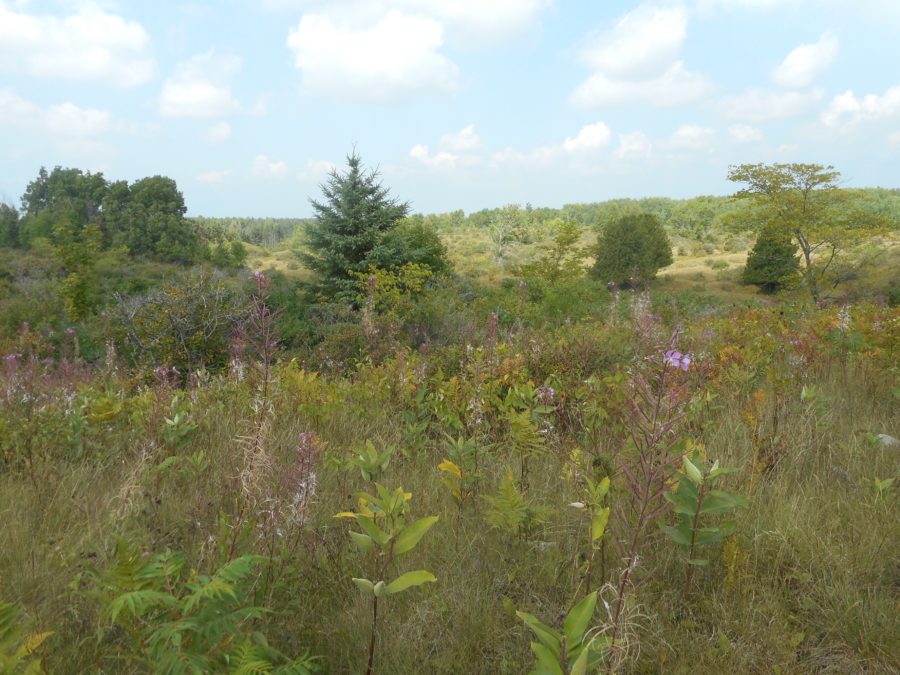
(448,443)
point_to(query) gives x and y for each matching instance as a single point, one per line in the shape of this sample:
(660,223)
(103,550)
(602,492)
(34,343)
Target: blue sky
(461,103)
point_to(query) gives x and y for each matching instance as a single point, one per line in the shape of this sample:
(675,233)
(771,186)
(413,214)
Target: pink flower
(676,359)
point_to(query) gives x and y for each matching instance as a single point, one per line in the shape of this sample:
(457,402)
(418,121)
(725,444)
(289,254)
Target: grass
(807,584)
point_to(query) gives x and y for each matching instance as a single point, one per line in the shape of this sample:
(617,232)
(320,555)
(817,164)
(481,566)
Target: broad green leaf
(411,534)
(546,659)
(380,536)
(365,585)
(577,620)
(677,535)
(409,579)
(363,541)
(579,667)
(683,501)
(598,524)
(380,589)
(545,634)
(602,489)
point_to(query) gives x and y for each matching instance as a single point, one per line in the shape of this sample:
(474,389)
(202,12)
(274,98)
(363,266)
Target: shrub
(631,250)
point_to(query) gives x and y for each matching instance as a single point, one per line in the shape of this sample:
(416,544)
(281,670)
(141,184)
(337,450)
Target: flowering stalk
(259,331)
(655,409)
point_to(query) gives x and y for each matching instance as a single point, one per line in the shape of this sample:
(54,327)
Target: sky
(460,104)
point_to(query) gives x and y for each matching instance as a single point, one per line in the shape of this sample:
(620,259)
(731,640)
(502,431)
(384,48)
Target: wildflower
(70,331)
(676,359)
(546,395)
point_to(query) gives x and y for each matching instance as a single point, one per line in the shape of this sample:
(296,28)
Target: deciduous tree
(805,202)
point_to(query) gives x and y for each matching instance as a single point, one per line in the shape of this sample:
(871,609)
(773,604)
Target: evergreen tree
(631,249)
(772,262)
(349,223)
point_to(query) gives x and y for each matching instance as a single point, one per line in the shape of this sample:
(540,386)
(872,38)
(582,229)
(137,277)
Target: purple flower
(70,331)
(676,359)
(546,395)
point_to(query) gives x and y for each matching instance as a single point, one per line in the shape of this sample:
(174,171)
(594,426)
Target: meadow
(502,476)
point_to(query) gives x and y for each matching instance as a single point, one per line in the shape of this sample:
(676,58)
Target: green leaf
(718,501)
(579,667)
(698,562)
(409,579)
(545,634)
(363,541)
(137,603)
(601,490)
(682,499)
(546,659)
(721,471)
(598,524)
(380,589)
(677,535)
(365,585)
(411,534)
(379,535)
(577,620)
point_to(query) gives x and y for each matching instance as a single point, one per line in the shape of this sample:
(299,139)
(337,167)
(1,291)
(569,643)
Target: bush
(631,250)
(772,263)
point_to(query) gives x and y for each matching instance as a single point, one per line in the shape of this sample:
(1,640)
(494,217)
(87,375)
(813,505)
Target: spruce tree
(349,223)
(772,262)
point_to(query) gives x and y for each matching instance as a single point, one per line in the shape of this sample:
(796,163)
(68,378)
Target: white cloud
(219,132)
(847,108)
(640,45)
(635,145)
(636,61)
(89,44)
(263,166)
(63,119)
(744,133)
(479,21)
(393,59)
(592,137)
(200,87)
(705,5)
(464,140)
(675,86)
(456,149)
(467,22)
(213,176)
(691,137)
(805,63)
(761,105)
(439,160)
(589,139)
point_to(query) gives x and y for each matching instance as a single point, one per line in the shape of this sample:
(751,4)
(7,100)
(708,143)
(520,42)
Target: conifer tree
(631,249)
(349,223)
(772,262)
